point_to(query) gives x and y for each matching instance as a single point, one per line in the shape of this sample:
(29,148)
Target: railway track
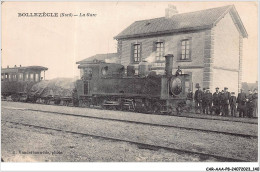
(140,145)
(144,123)
(209,117)
(183,115)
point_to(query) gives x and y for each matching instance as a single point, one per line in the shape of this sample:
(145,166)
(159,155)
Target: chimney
(170,11)
(14,65)
(7,66)
(20,65)
(168,64)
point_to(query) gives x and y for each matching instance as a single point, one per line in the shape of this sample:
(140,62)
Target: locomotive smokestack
(168,64)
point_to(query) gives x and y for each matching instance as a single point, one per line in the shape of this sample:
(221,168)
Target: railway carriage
(17,81)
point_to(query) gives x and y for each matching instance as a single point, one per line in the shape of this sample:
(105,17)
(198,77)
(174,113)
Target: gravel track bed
(184,114)
(206,124)
(65,147)
(217,144)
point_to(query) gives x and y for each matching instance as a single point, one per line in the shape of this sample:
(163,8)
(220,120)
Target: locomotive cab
(93,72)
(100,69)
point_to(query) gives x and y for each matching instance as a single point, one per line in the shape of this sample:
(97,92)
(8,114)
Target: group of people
(224,103)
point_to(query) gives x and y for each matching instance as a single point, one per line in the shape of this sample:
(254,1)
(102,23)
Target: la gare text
(56,15)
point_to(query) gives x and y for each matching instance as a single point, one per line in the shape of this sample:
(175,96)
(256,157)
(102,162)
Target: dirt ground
(15,138)
(26,144)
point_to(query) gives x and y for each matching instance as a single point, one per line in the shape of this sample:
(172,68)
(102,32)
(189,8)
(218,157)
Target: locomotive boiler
(107,85)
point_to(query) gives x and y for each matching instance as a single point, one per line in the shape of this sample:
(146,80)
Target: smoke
(151,58)
(112,60)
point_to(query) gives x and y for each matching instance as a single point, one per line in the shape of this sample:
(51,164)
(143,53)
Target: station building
(206,44)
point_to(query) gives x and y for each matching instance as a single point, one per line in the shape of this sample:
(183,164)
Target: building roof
(22,68)
(197,20)
(99,57)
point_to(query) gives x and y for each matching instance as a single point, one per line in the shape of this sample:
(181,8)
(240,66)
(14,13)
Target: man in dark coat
(241,101)
(75,99)
(232,102)
(225,102)
(255,101)
(221,101)
(250,104)
(216,102)
(198,99)
(204,101)
(208,101)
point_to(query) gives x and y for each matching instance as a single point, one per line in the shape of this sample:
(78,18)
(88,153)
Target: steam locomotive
(107,85)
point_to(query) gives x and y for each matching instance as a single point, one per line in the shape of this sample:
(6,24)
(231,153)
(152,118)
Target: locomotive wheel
(179,110)
(157,108)
(15,97)
(171,112)
(57,101)
(4,97)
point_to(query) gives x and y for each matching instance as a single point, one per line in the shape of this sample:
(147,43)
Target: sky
(59,42)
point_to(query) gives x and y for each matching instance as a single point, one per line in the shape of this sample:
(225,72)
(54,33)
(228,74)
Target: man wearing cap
(241,103)
(198,99)
(204,100)
(232,102)
(208,101)
(221,101)
(216,102)
(225,102)
(250,104)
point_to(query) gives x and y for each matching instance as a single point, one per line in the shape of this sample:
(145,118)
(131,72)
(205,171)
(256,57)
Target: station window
(185,49)
(136,52)
(159,51)
(2,77)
